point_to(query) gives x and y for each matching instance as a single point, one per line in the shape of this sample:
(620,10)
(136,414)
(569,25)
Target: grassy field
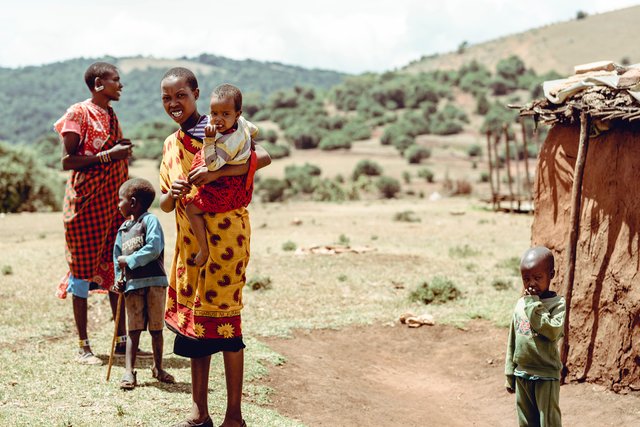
(456,238)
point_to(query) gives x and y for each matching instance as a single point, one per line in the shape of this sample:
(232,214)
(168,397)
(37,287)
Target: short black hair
(183,73)
(141,189)
(97,69)
(225,90)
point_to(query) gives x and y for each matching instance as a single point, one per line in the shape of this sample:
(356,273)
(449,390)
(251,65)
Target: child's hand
(201,176)
(531,290)
(122,262)
(210,131)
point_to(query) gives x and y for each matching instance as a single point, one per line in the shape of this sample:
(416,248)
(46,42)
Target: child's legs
(234,371)
(200,387)
(548,402)
(155,302)
(526,406)
(134,304)
(198,226)
(133,339)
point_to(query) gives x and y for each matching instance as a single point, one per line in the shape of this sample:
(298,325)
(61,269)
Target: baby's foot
(201,258)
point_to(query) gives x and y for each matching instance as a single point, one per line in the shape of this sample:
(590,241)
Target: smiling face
(110,81)
(223,113)
(178,99)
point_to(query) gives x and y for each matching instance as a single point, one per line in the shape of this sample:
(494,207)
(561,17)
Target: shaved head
(538,256)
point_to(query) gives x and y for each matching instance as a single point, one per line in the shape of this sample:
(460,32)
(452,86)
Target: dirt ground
(429,376)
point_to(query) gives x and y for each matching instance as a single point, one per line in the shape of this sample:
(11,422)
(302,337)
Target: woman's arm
(72,161)
(202,175)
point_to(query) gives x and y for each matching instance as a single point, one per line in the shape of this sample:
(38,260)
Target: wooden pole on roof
(507,156)
(518,180)
(576,194)
(526,160)
(489,151)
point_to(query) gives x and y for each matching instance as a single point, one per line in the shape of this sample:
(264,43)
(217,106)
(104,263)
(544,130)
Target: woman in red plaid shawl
(97,156)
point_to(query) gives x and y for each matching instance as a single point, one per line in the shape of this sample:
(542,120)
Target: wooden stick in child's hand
(116,322)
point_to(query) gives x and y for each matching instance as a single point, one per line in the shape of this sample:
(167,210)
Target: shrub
(482,104)
(334,141)
(464,251)
(439,291)
(270,135)
(276,151)
(258,283)
(7,270)
(415,153)
(459,187)
(305,137)
(405,216)
(26,184)
(357,129)
(446,127)
(289,246)
(343,239)
(511,264)
(388,186)
(366,167)
(426,173)
(272,189)
(403,142)
(501,284)
(474,150)
(327,190)
(484,176)
(406,177)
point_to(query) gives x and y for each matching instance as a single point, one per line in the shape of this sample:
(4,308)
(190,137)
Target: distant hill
(611,36)
(32,98)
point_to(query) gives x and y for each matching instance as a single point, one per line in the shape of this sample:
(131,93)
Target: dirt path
(430,376)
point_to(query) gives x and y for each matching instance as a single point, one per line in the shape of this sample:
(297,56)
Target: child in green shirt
(533,365)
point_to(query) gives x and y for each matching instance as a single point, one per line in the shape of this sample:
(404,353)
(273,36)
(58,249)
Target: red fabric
(91,217)
(226,193)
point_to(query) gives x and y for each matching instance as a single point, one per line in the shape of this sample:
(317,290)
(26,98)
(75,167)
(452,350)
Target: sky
(352,36)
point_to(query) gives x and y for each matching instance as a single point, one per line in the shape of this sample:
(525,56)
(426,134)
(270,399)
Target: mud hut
(587,210)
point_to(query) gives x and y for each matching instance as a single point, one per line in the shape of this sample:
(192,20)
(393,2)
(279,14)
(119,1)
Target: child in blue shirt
(139,254)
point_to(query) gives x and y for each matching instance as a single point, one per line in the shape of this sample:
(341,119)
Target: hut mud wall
(604,334)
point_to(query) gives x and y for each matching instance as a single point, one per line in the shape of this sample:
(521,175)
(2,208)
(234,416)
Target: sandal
(162,376)
(189,423)
(244,424)
(88,358)
(128,381)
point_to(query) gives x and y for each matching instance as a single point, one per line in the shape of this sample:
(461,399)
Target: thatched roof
(603,89)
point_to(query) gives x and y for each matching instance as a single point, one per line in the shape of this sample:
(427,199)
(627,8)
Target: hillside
(38,95)
(554,47)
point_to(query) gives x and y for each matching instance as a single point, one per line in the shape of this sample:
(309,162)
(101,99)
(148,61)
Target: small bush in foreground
(388,186)
(289,246)
(406,216)
(258,283)
(501,284)
(439,291)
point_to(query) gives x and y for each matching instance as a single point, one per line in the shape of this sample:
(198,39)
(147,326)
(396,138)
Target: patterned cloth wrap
(234,148)
(90,211)
(204,302)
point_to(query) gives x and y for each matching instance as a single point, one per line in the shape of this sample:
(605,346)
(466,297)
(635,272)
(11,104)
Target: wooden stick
(497,159)
(493,193)
(576,194)
(526,160)
(116,321)
(507,157)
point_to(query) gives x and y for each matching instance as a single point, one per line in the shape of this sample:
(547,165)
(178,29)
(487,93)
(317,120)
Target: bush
(304,137)
(388,186)
(26,184)
(484,176)
(464,251)
(366,167)
(405,216)
(302,178)
(272,189)
(426,173)
(289,246)
(270,135)
(459,187)
(501,284)
(474,150)
(276,151)
(327,190)
(415,153)
(334,141)
(406,177)
(439,291)
(258,283)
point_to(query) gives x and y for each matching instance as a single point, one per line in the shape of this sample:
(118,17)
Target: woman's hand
(202,175)
(179,188)
(122,150)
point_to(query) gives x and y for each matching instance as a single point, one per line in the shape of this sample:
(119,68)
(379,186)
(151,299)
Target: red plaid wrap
(91,217)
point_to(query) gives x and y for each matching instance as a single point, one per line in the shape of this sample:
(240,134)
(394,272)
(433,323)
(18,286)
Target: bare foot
(201,258)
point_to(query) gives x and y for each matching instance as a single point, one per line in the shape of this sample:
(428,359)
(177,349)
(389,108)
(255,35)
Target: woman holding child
(204,303)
